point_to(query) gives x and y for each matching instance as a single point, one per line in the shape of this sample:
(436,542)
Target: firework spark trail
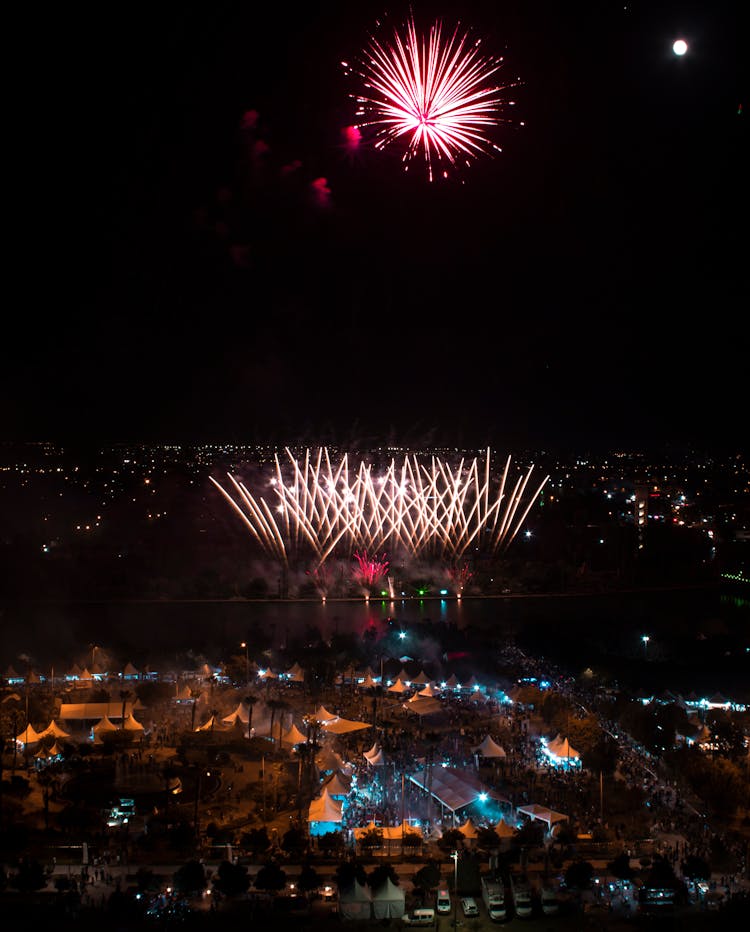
(425,510)
(434,92)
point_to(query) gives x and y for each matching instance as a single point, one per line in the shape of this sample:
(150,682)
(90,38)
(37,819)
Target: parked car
(469,906)
(443,902)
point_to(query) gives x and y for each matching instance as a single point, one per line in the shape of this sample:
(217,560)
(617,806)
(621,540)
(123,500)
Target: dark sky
(184,280)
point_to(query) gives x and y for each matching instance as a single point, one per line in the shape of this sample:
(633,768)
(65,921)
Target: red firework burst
(435,93)
(371,568)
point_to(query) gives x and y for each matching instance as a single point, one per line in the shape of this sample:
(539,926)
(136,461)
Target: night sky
(188,279)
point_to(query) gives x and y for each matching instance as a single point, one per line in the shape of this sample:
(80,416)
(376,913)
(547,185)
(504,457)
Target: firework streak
(321,508)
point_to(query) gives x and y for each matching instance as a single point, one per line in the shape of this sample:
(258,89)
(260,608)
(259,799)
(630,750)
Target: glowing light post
(247,663)
(454,855)
(645,638)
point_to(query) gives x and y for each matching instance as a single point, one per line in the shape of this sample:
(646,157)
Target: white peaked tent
(55,750)
(328,759)
(130,671)
(490,748)
(323,715)
(342,726)
(468,830)
(561,747)
(324,810)
(131,724)
(103,725)
(429,691)
(503,830)
(377,759)
(213,722)
(28,736)
(388,901)
(368,682)
(421,678)
(355,902)
(293,736)
(185,694)
(452,681)
(398,687)
(473,681)
(296,674)
(338,784)
(240,715)
(54,730)
(267,675)
(404,676)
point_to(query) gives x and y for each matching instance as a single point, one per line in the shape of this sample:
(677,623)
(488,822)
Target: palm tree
(124,696)
(277,705)
(250,701)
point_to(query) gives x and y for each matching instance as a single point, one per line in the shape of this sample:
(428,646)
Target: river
(698,638)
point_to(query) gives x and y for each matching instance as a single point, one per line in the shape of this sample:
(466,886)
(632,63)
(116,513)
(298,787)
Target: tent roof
(543,814)
(325,808)
(54,729)
(29,735)
(389,891)
(454,788)
(377,760)
(423,706)
(467,829)
(561,747)
(104,724)
(397,687)
(323,715)
(93,711)
(206,726)
(130,724)
(328,759)
(452,680)
(429,691)
(342,726)
(129,670)
(503,830)
(293,736)
(489,748)
(357,893)
(338,784)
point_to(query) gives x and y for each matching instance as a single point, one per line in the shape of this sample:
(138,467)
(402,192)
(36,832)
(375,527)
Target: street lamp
(454,855)
(247,663)
(645,638)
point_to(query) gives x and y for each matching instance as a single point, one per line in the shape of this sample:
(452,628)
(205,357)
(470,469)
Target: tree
(620,867)
(250,701)
(256,840)
(428,877)
(270,877)
(372,838)
(30,876)
(451,840)
(190,878)
(231,879)
(309,878)
(380,874)
(294,840)
(696,868)
(578,875)
(349,871)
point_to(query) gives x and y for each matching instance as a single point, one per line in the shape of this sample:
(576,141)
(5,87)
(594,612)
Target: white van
(443,902)
(420,917)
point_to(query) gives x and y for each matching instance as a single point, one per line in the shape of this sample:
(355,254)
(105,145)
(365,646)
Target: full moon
(680,47)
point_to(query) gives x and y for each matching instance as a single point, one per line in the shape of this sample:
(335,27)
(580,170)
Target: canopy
(93,711)
(503,830)
(368,682)
(338,784)
(28,736)
(130,670)
(342,726)
(467,829)
(452,682)
(398,687)
(323,715)
(377,760)
(104,724)
(355,902)
(423,706)
(54,729)
(296,674)
(561,747)
(325,808)
(421,677)
(207,726)
(130,724)
(543,814)
(454,788)
(328,759)
(388,901)
(489,748)
(430,691)
(293,736)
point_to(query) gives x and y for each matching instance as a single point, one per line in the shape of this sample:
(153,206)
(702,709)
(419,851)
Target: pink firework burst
(371,569)
(434,93)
